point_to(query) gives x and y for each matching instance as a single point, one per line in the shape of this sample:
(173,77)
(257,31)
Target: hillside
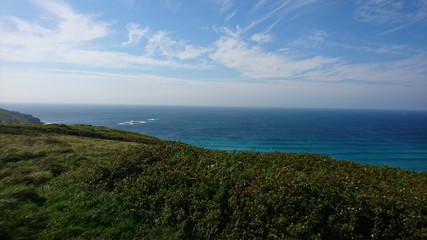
(16,117)
(81,182)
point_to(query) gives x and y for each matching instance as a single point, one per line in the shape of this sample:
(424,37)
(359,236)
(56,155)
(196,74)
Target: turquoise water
(393,138)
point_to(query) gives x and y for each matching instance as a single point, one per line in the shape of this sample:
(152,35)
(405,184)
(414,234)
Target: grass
(80,182)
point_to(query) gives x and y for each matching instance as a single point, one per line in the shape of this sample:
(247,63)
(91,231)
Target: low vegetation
(83,182)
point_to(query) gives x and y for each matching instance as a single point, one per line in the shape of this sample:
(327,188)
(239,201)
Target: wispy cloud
(25,41)
(161,43)
(405,72)
(258,5)
(230,15)
(383,49)
(262,38)
(70,38)
(278,11)
(192,52)
(74,27)
(391,12)
(253,62)
(314,39)
(266,16)
(135,34)
(223,5)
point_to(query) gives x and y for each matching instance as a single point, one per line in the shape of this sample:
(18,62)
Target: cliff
(16,117)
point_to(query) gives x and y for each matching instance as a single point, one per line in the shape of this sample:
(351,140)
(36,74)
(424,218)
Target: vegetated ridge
(16,117)
(84,182)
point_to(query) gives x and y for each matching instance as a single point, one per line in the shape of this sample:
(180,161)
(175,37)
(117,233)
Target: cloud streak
(405,72)
(315,39)
(399,14)
(135,34)
(160,43)
(261,38)
(157,90)
(280,10)
(252,62)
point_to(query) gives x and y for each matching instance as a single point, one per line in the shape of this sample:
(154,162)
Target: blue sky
(291,53)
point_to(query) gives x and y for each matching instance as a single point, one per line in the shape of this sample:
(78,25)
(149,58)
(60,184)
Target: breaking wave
(132,122)
(139,122)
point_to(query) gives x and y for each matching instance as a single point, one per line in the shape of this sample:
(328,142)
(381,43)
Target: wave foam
(132,122)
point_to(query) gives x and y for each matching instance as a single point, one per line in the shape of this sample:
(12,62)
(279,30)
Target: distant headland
(16,117)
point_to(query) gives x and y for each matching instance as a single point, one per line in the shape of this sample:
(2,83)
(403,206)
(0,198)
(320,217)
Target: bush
(57,184)
(213,194)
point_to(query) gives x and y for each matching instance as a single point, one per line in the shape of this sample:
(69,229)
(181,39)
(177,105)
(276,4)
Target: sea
(393,138)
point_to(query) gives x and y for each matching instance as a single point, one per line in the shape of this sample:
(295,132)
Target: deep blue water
(379,137)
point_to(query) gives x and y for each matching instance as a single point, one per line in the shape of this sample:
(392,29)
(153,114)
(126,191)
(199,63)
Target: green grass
(80,182)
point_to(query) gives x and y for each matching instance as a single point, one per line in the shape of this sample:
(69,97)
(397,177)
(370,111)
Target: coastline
(393,138)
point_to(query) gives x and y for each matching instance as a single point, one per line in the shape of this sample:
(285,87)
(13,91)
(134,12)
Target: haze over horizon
(369,54)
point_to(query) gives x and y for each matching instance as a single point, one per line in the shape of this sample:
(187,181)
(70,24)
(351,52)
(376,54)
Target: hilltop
(80,182)
(16,117)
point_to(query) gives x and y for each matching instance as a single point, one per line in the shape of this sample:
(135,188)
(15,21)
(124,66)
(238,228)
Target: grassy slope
(59,182)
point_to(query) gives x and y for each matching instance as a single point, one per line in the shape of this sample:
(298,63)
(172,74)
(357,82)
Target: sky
(369,54)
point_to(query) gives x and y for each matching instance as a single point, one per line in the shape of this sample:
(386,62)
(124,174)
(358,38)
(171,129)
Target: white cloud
(253,62)
(70,38)
(230,15)
(25,41)
(399,12)
(118,60)
(162,44)
(261,38)
(314,39)
(60,42)
(191,52)
(387,49)
(258,5)
(135,33)
(74,27)
(26,27)
(223,5)
(406,72)
(266,16)
(279,11)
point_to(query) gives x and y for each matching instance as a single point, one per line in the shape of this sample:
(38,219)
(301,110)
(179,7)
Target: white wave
(49,123)
(132,122)
(152,119)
